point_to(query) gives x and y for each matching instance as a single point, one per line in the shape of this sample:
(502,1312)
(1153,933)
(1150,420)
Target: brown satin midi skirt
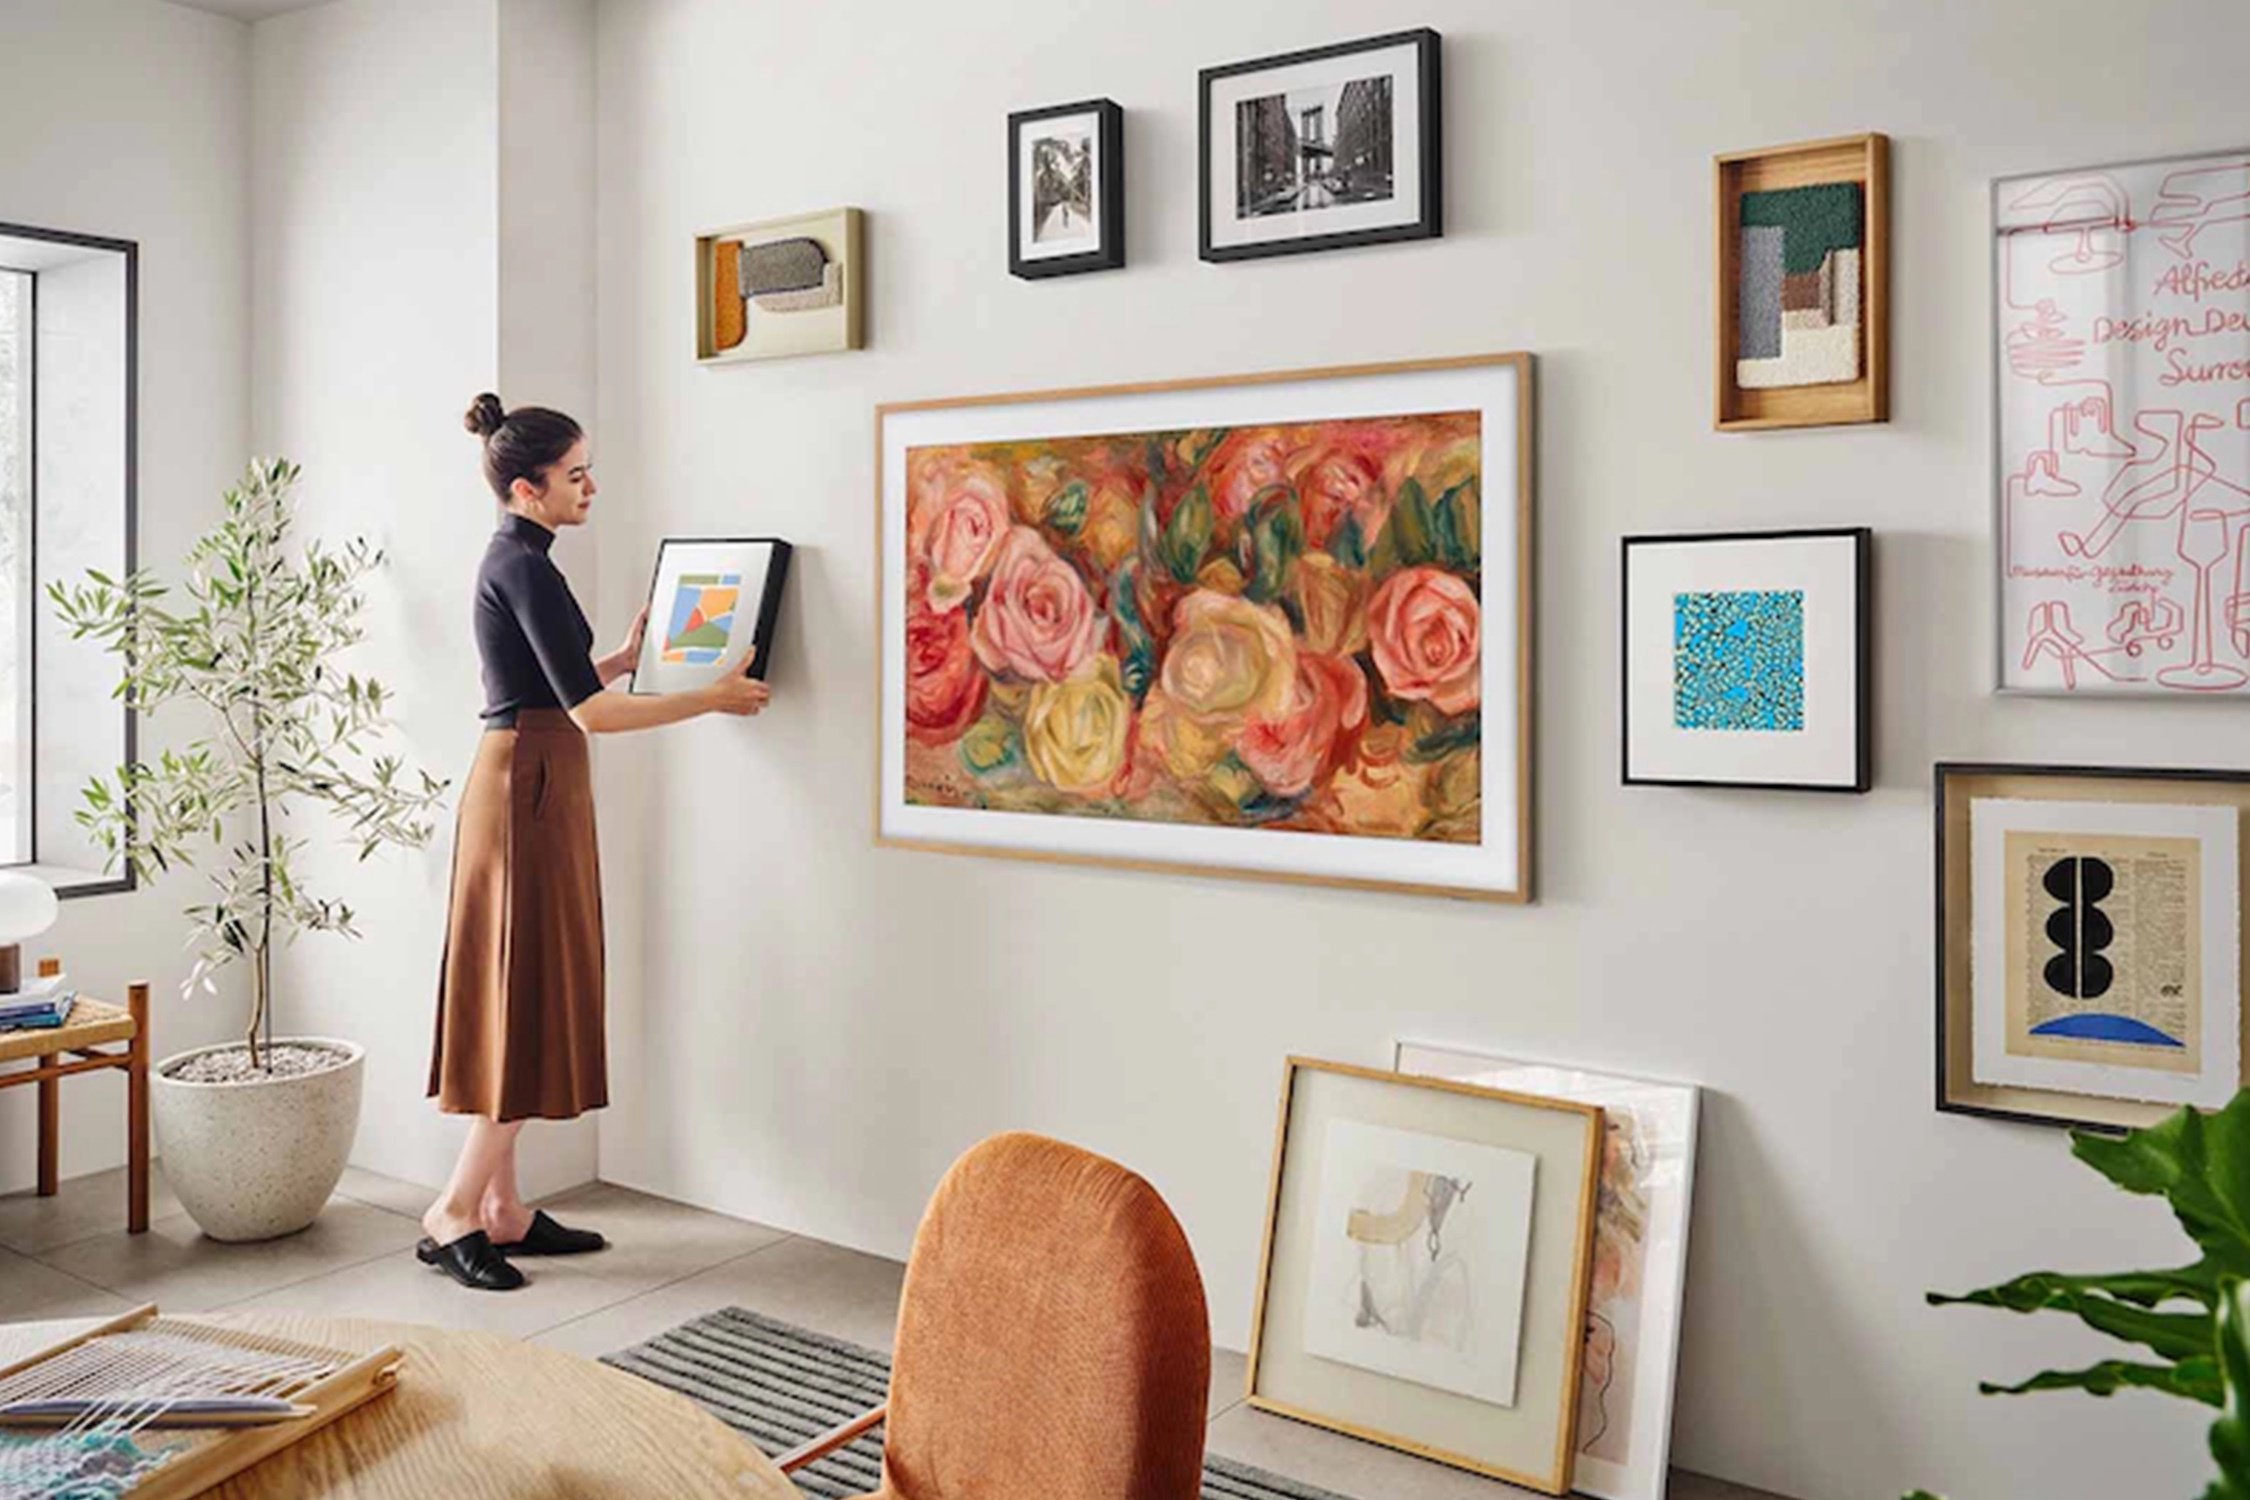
(519,1018)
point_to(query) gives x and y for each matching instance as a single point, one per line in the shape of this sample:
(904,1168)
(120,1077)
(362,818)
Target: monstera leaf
(2230,1435)
(2201,1164)
(2195,1320)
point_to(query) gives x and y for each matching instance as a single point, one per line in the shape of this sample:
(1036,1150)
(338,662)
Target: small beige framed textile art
(779,288)
(1426,1268)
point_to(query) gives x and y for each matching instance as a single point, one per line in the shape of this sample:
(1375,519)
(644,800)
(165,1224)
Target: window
(67,363)
(15,567)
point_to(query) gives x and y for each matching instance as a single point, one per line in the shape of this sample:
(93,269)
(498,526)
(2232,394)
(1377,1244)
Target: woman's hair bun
(485,415)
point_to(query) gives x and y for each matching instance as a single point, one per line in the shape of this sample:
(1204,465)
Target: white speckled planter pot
(251,1161)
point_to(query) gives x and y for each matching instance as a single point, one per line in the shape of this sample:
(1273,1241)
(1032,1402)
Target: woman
(519,1021)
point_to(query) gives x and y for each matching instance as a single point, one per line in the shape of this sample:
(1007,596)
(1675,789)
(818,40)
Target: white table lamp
(27,908)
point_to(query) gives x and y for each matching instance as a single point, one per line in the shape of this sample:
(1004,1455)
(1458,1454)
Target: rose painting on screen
(1274,627)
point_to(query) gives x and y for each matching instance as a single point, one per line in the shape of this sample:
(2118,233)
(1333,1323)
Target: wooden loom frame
(224,1453)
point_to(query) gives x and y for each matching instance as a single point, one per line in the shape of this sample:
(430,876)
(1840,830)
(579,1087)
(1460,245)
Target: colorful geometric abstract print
(1799,298)
(702,617)
(1738,661)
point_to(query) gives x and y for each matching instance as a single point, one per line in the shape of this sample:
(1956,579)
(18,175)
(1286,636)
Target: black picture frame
(1863,655)
(769,600)
(1954,1096)
(1109,192)
(1428,123)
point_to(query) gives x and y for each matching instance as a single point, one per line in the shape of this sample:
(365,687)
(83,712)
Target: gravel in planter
(282,1060)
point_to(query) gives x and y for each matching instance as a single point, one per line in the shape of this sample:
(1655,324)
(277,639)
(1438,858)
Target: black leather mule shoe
(472,1261)
(546,1237)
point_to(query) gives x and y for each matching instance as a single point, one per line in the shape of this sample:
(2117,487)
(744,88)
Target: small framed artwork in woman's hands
(710,601)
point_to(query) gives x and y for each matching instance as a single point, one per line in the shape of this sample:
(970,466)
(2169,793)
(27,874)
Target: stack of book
(41,1004)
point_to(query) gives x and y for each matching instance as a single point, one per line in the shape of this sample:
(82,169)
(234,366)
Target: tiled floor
(69,1256)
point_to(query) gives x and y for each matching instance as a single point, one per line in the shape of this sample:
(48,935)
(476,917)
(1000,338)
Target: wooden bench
(87,1043)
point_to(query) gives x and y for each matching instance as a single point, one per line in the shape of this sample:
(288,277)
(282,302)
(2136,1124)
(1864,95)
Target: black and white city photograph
(1322,149)
(1066,189)
(1062,188)
(1313,148)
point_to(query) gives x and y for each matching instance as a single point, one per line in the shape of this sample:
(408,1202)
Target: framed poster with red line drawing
(1270,625)
(2122,462)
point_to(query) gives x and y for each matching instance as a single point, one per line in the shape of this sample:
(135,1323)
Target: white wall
(130,119)
(820,1025)
(546,330)
(422,220)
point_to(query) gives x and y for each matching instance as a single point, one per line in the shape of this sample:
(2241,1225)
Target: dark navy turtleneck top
(532,638)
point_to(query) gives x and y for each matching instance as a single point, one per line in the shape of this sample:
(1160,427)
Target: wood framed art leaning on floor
(520,1003)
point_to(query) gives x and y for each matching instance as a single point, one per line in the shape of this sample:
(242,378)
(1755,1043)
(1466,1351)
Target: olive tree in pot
(254,1134)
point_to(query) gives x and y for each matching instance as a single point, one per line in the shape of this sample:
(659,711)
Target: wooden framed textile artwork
(1804,247)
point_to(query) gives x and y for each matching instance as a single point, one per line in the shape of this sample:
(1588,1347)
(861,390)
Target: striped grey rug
(780,1385)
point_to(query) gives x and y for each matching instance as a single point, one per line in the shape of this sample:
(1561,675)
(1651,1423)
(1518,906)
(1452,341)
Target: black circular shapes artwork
(2079,928)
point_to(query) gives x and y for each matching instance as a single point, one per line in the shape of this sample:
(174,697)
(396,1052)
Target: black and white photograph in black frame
(1066,189)
(1322,149)
(710,600)
(1746,660)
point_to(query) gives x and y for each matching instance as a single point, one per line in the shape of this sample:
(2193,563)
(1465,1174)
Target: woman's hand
(622,661)
(613,713)
(737,693)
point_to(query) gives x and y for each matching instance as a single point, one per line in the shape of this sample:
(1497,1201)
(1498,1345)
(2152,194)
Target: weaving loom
(161,1408)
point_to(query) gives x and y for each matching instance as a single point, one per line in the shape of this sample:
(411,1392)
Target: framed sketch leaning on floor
(1425,1272)
(1633,1306)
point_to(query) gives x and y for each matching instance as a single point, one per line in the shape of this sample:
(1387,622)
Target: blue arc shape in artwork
(2097,1027)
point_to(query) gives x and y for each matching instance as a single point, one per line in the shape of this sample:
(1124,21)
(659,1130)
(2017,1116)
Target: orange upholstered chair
(1052,1339)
